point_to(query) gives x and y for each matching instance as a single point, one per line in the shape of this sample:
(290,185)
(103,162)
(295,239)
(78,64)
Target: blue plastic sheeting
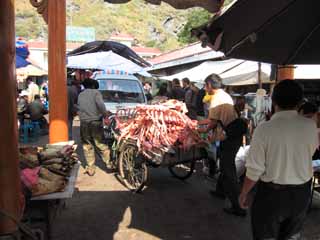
(22,52)
(21,62)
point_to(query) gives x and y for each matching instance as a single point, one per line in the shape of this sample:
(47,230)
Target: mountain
(151,25)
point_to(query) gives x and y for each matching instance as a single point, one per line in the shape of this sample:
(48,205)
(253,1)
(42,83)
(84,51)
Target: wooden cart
(132,165)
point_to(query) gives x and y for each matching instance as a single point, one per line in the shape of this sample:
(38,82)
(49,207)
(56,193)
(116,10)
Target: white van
(120,91)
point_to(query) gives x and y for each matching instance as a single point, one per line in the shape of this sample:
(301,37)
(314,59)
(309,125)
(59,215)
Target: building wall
(40,56)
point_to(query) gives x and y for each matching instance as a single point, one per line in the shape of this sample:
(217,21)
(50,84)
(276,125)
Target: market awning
(21,62)
(307,72)
(116,47)
(273,31)
(105,61)
(22,53)
(30,70)
(232,72)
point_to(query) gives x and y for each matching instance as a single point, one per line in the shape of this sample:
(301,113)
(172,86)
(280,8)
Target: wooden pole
(57,71)
(285,72)
(9,162)
(259,75)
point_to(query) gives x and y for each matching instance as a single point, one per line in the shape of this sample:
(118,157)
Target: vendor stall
(233,72)
(48,176)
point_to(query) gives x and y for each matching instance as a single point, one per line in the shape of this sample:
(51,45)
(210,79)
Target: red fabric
(29,176)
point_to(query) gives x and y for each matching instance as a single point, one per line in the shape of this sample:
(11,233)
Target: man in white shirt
(279,160)
(33,89)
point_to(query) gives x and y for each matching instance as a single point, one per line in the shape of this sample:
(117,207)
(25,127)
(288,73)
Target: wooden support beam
(285,72)
(57,71)
(9,162)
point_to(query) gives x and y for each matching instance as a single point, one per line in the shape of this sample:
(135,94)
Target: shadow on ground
(167,209)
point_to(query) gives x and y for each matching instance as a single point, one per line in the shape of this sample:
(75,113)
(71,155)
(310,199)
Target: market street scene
(146,120)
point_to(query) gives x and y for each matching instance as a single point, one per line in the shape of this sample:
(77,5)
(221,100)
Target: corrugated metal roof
(190,50)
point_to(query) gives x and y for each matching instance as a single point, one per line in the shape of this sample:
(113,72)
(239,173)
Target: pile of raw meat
(159,129)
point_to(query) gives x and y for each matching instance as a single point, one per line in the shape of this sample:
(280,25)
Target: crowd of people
(32,104)
(278,163)
(187,92)
(278,166)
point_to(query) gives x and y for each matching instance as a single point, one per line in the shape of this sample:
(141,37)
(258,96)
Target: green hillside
(153,26)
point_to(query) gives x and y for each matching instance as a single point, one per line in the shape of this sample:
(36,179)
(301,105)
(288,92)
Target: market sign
(81,34)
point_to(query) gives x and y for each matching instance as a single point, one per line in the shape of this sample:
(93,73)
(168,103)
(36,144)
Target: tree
(194,19)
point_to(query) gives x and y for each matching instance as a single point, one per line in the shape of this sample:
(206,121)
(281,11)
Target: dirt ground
(102,208)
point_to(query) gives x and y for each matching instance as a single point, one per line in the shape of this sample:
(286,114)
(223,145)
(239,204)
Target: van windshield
(121,90)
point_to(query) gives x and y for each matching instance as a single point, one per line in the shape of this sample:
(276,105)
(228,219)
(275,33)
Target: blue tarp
(21,62)
(22,52)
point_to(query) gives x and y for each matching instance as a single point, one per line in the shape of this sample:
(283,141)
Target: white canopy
(104,61)
(29,70)
(307,72)
(232,72)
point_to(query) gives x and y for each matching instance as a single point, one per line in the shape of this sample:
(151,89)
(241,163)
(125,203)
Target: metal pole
(259,75)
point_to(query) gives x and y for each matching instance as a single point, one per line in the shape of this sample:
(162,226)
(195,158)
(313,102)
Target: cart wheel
(133,170)
(182,171)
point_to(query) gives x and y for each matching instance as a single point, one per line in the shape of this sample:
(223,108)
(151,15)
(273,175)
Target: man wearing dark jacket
(73,92)
(91,113)
(189,98)
(177,91)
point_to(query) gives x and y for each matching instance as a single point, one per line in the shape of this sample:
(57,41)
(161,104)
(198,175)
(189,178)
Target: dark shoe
(236,211)
(217,194)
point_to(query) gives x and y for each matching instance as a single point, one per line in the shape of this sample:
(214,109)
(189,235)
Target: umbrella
(104,61)
(104,46)
(22,52)
(274,31)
